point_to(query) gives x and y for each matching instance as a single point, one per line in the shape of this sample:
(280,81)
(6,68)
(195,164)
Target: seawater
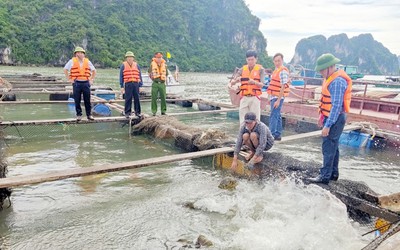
(145,208)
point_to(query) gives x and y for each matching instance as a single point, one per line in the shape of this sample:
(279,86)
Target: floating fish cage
(190,138)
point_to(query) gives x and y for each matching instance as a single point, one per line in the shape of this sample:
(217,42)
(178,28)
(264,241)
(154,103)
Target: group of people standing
(81,73)
(334,104)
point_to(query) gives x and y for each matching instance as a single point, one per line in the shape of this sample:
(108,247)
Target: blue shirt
(121,76)
(337,88)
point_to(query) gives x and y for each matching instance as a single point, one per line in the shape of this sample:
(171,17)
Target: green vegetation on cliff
(201,35)
(363,51)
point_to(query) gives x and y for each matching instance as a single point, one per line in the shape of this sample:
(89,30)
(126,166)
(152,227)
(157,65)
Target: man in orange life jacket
(334,104)
(250,76)
(278,89)
(158,73)
(130,79)
(80,72)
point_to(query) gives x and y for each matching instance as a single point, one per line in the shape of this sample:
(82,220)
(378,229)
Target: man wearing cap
(255,135)
(158,73)
(80,72)
(130,79)
(249,76)
(334,104)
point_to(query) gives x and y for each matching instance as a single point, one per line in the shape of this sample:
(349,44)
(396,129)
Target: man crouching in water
(255,135)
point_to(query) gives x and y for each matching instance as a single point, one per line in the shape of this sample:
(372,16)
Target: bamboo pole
(314,133)
(71,173)
(64,121)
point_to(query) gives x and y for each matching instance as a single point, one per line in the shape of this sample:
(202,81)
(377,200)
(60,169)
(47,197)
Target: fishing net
(57,131)
(4,192)
(186,137)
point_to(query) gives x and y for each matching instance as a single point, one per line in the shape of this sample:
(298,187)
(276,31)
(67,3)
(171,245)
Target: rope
(387,224)
(376,242)
(367,125)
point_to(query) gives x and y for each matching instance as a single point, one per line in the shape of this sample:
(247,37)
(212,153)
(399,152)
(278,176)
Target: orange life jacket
(131,73)
(325,102)
(275,85)
(158,71)
(246,88)
(78,72)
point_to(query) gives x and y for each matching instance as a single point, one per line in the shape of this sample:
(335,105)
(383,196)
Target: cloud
(354,2)
(284,24)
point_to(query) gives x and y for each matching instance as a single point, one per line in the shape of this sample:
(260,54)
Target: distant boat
(351,70)
(173,85)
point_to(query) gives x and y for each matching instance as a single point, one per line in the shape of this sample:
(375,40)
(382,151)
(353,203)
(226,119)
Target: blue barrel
(101,110)
(355,139)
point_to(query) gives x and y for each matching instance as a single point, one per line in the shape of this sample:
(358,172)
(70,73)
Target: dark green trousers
(158,87)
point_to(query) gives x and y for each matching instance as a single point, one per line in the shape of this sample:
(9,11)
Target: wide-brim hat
(79,49)
(325,61)
(129,54)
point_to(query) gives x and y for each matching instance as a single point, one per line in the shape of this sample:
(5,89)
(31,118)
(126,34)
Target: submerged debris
(203,241)
(189,204)
(228,183)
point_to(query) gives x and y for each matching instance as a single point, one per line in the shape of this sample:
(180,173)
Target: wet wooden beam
(216,104)
(314,133)
(58,102)
(114,106)
(72,173)
(365,206)
(64,121)
(92,101)
(202,112)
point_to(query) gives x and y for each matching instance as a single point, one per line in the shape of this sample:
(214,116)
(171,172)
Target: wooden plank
(365,206)
(217,104)
(92,101)
(64,121)
(314,133)
(58,102)
(114,106)
(71,173)
(55,91)
(202,112)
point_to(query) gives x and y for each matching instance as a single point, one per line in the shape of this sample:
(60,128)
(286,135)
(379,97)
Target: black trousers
(132,91)
(79,88)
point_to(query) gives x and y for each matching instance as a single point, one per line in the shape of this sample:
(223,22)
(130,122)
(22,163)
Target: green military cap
(325,61)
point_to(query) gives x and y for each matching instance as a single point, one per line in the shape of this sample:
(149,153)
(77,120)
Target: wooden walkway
(315,133)
(100,119)
(92,101)
(71,173)
(63,121)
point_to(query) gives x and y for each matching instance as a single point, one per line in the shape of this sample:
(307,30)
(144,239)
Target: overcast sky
(285,22)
